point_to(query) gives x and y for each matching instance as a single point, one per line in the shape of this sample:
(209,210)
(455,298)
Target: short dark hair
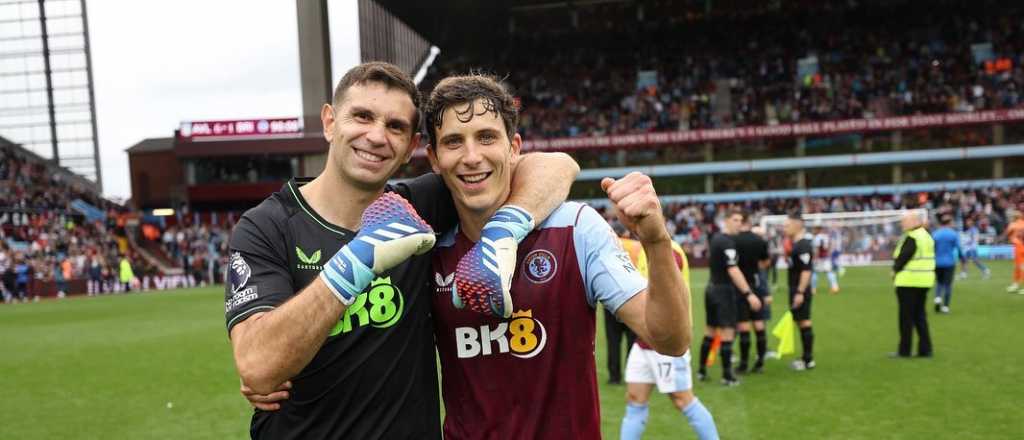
(466,89)
(738,211)
(796,216)
(383,73)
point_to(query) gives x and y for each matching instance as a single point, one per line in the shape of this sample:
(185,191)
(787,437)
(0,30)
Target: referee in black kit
(754,259)
(720,297)
(801,261)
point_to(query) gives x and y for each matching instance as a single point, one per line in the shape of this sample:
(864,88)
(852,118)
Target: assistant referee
(800,293)
(720,297)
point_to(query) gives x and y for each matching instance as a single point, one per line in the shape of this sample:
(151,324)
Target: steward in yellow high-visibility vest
(919,270)
(913,276)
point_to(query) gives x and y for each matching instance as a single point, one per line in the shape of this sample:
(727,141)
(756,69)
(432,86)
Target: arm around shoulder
(541,182)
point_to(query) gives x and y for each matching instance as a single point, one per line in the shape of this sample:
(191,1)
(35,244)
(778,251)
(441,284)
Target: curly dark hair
(464,89)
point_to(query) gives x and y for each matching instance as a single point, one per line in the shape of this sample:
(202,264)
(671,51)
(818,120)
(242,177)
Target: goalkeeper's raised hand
(391,232)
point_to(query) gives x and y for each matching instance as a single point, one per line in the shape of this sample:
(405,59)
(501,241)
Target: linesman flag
(715,344)
(785,330)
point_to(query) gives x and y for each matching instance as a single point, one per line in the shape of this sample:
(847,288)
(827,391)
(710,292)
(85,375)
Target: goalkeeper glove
(483,277)
(392,232)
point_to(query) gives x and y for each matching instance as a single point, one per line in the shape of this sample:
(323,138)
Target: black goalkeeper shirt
(375,377)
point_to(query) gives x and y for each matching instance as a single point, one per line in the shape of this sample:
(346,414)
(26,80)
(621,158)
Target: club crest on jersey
(239,272)
(444,283)
(539,266)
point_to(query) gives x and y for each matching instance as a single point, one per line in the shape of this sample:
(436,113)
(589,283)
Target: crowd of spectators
(873,59)
(617,68)
(692,224)
(46,244)
(42,239)
(200,249)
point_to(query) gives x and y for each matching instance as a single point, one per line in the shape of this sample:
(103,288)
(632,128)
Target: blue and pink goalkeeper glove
(483,277)
(392,232)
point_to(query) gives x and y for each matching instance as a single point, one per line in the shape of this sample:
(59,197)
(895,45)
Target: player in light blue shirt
(969,244)
(947,246)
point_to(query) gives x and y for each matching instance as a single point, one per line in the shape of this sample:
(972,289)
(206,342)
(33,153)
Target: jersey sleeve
(608,273)
(431,198)
(732,257)
(257,278)
(803,256)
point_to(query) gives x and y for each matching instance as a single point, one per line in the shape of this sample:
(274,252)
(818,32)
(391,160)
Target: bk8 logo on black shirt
(379,306)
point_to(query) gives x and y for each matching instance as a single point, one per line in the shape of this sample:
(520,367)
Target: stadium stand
(754,67)
(623,68)
(693,223)
(55,225)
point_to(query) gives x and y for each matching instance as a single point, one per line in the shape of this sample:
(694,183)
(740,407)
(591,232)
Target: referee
(720,297)
(800,263)
(754,259)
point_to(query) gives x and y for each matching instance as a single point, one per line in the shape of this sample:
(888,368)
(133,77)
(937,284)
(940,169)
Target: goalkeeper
(347,338)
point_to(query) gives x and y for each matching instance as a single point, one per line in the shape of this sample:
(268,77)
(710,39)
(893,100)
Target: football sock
(705,349)
(634,422)
(725,352)
(700,420)
(807,337)
(762,345)
(744,348)
(833,282)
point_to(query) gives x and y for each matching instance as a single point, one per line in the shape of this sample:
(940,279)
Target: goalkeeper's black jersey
(375,377)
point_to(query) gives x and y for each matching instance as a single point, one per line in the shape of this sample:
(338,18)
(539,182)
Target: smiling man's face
(371,133)
(474,156)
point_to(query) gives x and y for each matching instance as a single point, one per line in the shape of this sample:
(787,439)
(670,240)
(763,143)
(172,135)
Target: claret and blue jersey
(532,375)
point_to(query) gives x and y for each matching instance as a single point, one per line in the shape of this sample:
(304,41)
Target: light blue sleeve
(956,243)
(608,273)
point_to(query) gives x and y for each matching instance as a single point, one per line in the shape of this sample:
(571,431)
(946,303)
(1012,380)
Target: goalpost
(858,238)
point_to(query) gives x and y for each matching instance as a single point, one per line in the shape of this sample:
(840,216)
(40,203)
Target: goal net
(858,238)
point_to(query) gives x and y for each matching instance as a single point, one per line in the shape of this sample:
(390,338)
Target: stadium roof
(152,145)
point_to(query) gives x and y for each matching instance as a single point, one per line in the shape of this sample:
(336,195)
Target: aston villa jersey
(532,376)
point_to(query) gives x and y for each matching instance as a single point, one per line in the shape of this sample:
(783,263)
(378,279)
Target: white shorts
(670,373)
(823,265)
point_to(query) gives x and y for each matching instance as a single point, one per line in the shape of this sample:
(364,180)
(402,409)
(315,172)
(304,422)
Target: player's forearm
(805,280)
(738,280)
(541,182)
(275,346)
(667,313)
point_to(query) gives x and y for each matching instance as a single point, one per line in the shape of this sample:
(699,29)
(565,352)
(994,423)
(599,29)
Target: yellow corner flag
(785,330)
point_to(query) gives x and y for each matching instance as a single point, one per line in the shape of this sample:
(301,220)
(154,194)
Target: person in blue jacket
(947,249)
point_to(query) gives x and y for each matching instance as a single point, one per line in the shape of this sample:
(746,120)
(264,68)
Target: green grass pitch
(158,365)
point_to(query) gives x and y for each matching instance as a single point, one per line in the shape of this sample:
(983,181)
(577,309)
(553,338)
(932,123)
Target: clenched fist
(637,206)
